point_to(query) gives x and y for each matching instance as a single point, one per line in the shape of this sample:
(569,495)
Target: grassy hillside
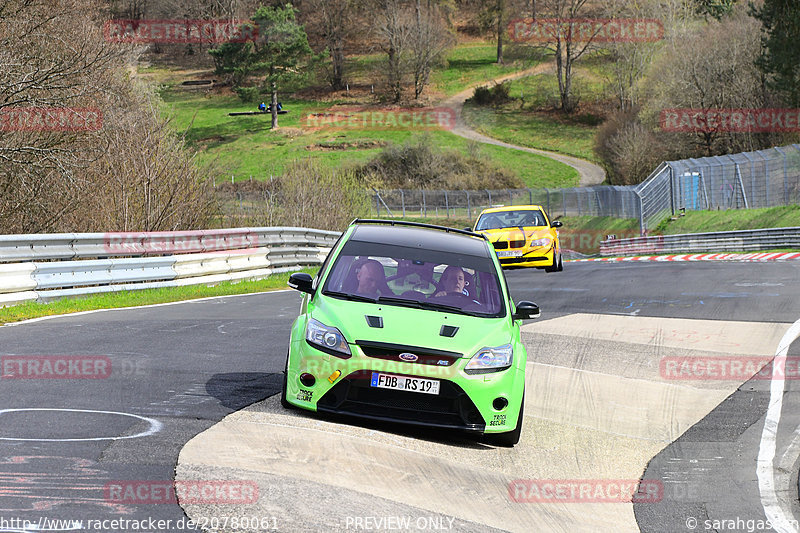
(245,146)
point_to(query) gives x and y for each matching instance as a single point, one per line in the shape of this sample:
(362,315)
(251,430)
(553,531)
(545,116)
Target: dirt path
(590,173)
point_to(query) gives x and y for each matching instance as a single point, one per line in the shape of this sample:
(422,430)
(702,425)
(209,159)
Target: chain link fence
(619,202)
(764,178)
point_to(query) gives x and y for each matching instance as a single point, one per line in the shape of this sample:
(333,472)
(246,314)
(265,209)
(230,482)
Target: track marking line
(766,450)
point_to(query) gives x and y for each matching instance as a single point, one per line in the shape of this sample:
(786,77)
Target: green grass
(469,65)
(543,130)
(122,299)
(245,146)
(531,119)
(731,219)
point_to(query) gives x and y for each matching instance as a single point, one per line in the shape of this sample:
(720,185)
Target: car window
(416,278)
(511,219)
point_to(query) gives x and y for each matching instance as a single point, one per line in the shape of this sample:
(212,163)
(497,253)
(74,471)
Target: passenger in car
(453,280)
(371,278)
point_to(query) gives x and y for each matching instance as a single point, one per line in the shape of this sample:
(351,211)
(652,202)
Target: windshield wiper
(399,301)
(351,297)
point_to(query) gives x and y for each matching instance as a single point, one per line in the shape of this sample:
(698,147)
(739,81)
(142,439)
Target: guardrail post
(424,205)
(446,205)
(403,201)
(547,191)
(469,207)
(490,196)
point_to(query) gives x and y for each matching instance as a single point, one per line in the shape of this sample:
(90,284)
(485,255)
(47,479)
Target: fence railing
(689,243)
(620,202)
(47,267)
(764,178)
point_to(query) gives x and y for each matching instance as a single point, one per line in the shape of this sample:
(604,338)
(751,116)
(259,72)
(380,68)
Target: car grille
(391,352)
(451,408)
(505,245)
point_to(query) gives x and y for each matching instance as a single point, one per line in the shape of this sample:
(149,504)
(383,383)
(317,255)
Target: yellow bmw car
(523,236)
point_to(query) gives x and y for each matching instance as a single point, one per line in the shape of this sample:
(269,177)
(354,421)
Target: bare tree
(335,22)
(710,69)
(566,42)
(393,28)
(430,39)
(61,179)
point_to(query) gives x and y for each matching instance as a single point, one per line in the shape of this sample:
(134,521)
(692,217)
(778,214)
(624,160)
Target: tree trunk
(274,107)
(500,30)
(337,60)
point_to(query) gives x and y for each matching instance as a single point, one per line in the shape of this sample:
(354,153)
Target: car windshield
(411,277)
(511,219)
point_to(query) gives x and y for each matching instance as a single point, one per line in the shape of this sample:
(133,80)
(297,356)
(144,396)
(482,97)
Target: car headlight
(490,360)
(326,338)
(541,242)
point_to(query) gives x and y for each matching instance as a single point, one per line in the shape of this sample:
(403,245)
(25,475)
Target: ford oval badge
(410,357)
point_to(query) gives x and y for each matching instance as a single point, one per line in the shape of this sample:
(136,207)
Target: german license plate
(405,383)
(515,253)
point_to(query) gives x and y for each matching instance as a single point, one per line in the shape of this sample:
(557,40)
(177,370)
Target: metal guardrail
(60,246)
(724,241)
(54,266)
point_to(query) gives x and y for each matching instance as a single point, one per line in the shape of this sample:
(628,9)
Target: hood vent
(374,321)
(448,331)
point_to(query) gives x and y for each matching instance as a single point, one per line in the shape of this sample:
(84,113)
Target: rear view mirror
(557,224)
(526,311)
(301,282)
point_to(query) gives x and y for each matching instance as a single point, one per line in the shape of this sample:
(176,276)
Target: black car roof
(429,238)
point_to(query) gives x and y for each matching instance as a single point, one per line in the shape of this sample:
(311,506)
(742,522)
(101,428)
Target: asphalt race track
(187,392)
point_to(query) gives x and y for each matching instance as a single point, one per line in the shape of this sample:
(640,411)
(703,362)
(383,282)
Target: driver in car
(452,281)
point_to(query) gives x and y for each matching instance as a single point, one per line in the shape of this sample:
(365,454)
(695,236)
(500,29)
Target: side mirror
(301,282)
(467,229)
(556,224)
(526,311)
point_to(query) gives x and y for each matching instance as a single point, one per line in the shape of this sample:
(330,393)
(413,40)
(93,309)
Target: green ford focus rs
(410,323)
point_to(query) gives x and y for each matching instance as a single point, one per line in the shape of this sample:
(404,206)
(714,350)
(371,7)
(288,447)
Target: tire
(509,438)
(284,402)
(554,266)
(560,264)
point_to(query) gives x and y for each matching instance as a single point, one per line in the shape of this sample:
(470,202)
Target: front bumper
(536,257)
(464,402)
